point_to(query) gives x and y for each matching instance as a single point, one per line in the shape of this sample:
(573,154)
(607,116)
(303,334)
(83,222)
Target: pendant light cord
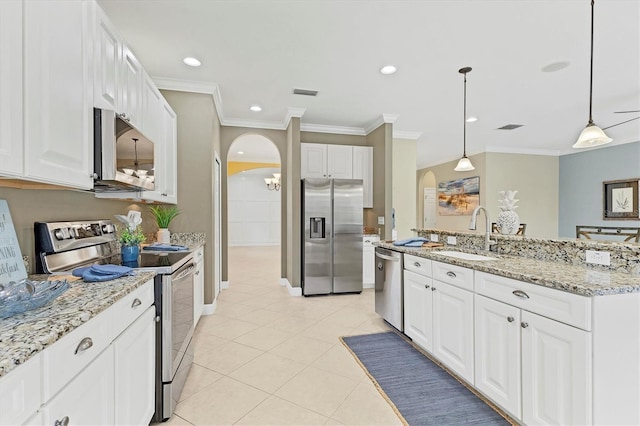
(464,119)
(591,71)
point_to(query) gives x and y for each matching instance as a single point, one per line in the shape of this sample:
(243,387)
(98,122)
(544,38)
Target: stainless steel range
(64,246)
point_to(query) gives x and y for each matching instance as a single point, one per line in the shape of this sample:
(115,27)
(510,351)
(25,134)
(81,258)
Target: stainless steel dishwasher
(388,287)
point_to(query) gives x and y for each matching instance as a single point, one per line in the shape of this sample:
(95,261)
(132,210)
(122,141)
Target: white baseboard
(210,308)
(368,285)
(224,285)
(293,291)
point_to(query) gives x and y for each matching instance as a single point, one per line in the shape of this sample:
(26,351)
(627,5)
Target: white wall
(253,211)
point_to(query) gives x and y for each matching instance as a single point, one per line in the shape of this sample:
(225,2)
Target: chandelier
(274,182)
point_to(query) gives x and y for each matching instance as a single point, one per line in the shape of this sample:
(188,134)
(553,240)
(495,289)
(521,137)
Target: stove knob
(58,234)
(65,233)
(72,233)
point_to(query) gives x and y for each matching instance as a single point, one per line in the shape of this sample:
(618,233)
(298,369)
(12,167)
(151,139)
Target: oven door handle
(185,273)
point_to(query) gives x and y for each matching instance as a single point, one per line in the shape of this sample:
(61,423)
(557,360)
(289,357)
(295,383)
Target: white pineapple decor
(508,221)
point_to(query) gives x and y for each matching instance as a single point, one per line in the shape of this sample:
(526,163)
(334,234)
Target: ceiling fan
(625,121)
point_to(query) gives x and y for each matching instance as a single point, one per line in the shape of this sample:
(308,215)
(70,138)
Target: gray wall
(581,189)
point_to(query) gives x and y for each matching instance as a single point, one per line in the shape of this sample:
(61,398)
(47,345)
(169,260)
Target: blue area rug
(422,392)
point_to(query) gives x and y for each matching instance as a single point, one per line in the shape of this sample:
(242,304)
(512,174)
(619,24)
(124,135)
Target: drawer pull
(521,294)
(417,264)
(524,324)
(197,272)
(427,286)
(63,422)
(136,303)
(433,289)
(84,344)
(510,319)
(451,274)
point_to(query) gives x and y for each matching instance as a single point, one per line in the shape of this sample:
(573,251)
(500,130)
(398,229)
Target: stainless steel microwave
(123,158)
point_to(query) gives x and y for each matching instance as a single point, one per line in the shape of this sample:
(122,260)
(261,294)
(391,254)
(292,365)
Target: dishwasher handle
(382,256)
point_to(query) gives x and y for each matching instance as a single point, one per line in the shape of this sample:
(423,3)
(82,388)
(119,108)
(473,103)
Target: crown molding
(293,112)
(383,119)
(340,130)
(399,134)
(271,125)
(167,83)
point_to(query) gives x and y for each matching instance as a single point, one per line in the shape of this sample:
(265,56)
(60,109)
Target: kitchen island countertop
(578,279)
(24,335)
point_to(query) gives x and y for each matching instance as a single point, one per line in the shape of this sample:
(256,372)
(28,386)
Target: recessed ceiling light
(256,108)
(555,66)
(240,152)
(472,119)
(388,69)
(192,62)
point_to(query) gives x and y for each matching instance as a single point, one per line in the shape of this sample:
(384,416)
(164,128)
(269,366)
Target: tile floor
(267,358)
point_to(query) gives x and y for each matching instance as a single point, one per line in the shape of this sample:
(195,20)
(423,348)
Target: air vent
(510,126)
(305,92)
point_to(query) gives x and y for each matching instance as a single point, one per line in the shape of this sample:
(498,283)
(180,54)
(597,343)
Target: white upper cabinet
(363,169)
(329,161)
(152,113)
(58,93)
(129,106)
(11,87)
(108,62)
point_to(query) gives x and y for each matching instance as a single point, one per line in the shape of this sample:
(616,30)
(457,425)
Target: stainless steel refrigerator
(332,236)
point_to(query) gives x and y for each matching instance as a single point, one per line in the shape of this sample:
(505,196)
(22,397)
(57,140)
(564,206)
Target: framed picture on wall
(458,197)
(621,200)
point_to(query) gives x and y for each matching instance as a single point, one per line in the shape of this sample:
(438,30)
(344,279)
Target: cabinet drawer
(69,355)
(554,304)
(453,274)
(369,240)
(20,392)
(130,307)
(419,265)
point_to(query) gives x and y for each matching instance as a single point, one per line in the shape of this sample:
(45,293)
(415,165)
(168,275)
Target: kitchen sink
(465,256)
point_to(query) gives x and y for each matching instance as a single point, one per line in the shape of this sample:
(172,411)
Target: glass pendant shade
(591,136)
(464,165)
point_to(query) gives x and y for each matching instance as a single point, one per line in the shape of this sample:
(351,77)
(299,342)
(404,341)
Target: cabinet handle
(510,319)
(93,175)
(433,289)
(427,286)
(63,422)
(521,294)
(417,264)
(136,302)
(524,324)
(451,274)
(197,272)
(84,344)
(164,194)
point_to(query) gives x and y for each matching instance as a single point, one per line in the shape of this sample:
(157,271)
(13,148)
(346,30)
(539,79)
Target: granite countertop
(577,279)
(24,335)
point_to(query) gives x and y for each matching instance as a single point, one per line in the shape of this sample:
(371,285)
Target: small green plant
(132,237)
(164,215)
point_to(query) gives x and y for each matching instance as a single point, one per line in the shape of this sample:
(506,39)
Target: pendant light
(592,135)
(464,165)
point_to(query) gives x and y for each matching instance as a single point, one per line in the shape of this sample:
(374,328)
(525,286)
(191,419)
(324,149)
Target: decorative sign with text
(11,263)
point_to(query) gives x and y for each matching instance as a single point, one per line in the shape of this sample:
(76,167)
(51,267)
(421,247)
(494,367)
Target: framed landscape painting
(458,197)
(621,200)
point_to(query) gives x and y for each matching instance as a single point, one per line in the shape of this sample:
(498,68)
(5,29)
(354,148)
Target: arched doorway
(254,212)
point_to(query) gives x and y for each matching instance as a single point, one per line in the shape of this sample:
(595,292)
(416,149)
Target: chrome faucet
(472,225)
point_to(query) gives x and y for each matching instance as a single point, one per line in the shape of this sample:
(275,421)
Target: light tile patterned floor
(267,358)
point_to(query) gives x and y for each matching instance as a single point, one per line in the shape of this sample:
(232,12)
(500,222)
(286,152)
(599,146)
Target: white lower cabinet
(418,315)
(88,398)
(453,328)
(198,286)
(134,374)
(369,261)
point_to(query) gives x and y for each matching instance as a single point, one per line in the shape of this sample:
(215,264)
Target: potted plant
(130,239)
(163,216)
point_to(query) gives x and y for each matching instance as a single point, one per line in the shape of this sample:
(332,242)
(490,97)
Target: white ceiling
(256,52)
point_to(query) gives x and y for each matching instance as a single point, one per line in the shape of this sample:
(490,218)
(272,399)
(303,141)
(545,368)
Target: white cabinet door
(453,328)
(88,398)
(497,353)
(152,112)
(363,169)
(169,189)
(313,160)
(368,266)
(11,141)
(107,63)
(339,161)
(556,372)
(198,287)
(21,391)
(418,302)
(131,88)
(58,93)
(134,356)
